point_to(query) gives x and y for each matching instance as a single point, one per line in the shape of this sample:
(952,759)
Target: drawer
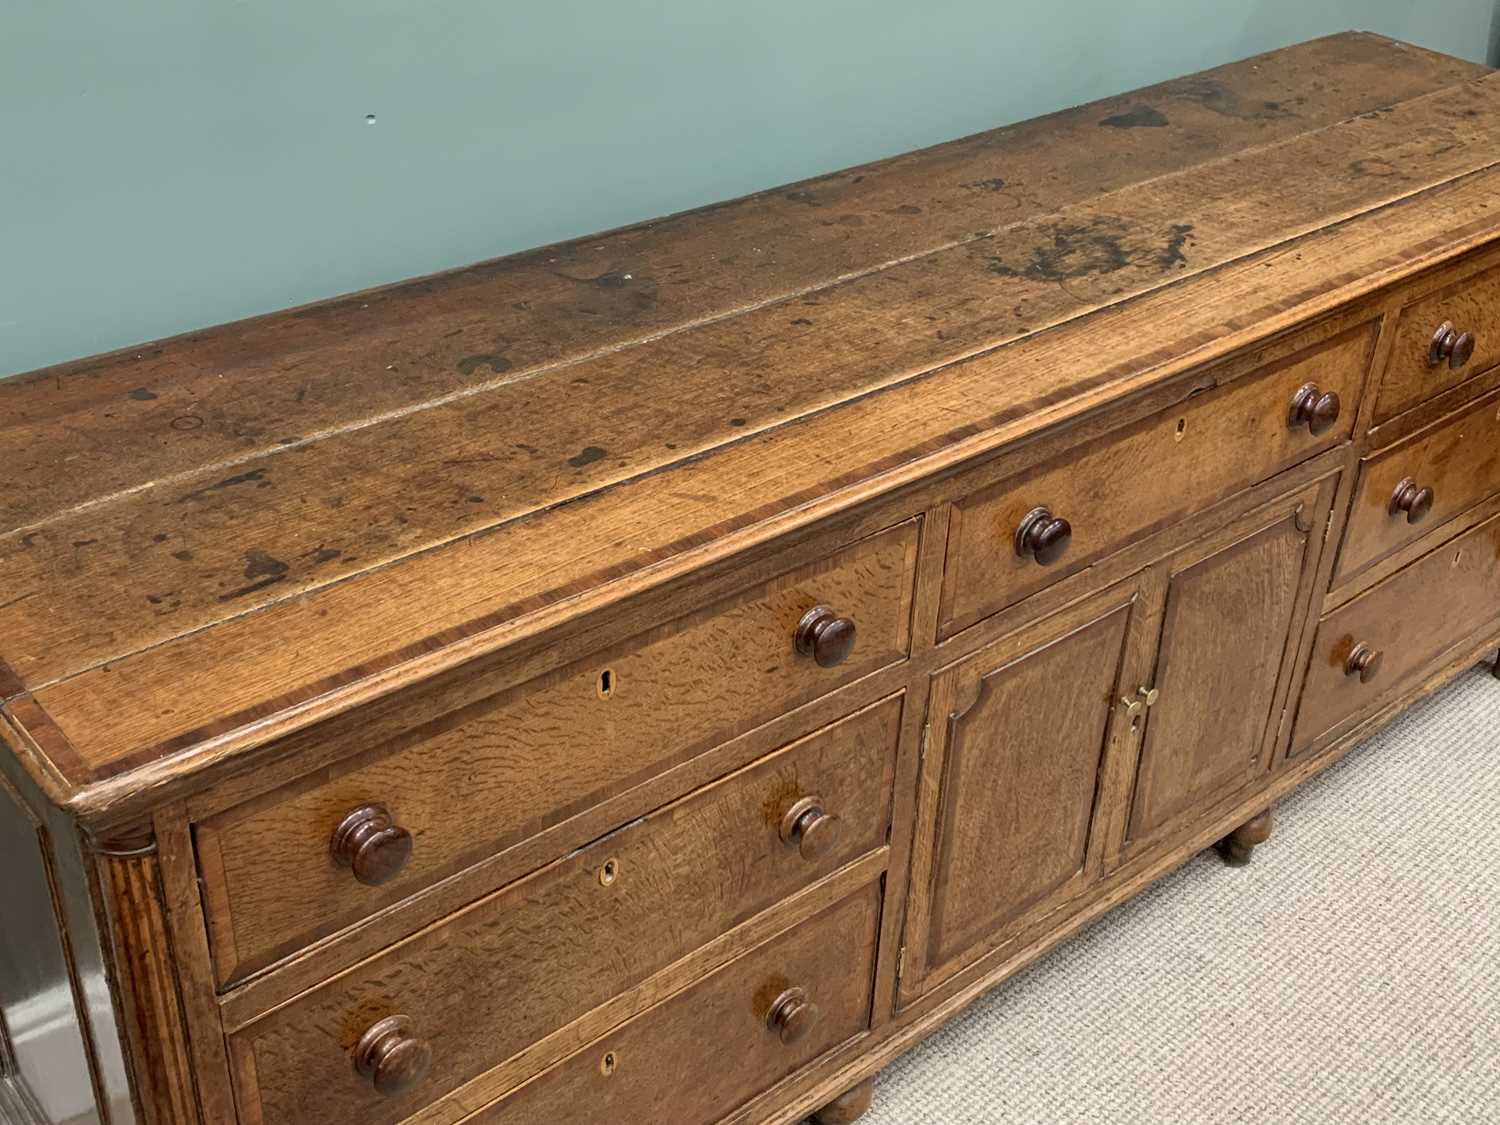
(531,958)
(1143,478)
(481,779)
(709,1050)
(1408,489)
(1373,645)
(1431,353)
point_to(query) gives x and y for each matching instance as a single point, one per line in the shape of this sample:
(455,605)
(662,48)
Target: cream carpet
(1351,973)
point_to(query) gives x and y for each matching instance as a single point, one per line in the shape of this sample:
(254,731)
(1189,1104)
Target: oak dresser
(662,677)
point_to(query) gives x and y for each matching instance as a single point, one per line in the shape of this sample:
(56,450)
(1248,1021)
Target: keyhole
(608,1063)
(607,683)
(1181,429)
(609,872)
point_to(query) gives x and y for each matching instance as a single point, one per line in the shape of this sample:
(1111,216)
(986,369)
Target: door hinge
(926,742)
(901,962)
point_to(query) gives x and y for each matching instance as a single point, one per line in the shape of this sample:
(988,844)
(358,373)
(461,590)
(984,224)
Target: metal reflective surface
(60,1060)
(46,1057)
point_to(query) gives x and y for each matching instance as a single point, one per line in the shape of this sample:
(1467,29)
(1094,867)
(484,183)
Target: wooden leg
(1239,845)
(847,1107)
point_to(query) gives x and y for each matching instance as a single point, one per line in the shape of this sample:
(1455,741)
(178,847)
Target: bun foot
(1239,845)
(848,1106)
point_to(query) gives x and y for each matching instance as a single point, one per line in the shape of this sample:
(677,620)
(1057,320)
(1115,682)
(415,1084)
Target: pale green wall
(168,164)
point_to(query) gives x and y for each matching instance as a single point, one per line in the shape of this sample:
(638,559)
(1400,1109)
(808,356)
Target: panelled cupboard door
(1017,739)
(1205,722)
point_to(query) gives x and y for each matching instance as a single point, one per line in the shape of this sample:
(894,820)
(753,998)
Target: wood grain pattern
(1127,244)
(144,973)
(1147,476)
(310,514)
(701,1054)
(1228,624)
(1411,617)
(1471,304)
(579,932)
(554,565)
(1010,779)
(1457,458)
(240,389)
(235,664)
(482,778)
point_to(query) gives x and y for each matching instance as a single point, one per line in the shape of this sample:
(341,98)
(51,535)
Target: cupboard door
(1221,659)
(1017,737)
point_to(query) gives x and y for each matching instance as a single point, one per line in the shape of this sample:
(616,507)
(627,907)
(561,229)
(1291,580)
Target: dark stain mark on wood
(141,394)
(1100,247)
(160,537)
(802,321)
(613,279)
(1374,166)
(803,196)
(259,564)
(183,556)
(474,499)
(256,477)
(84,542)
(1218,98)
(586,456)
(264,568)
(1172,253)
(477,459)
(322,555)
(493,360)
(250,589)
(736,421)
(1138,117)
(905,209)
(994,183)
(187,422)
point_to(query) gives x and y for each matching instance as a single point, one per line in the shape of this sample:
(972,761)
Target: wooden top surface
(214,538)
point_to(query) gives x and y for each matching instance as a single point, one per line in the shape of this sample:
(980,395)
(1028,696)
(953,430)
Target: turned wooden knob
(1414,501)
(1315,409)
(369,843)
(792,1016)
(1364,662)
(1043,537)
(1448,343)
(392,1057)
(825,636)
(810,827)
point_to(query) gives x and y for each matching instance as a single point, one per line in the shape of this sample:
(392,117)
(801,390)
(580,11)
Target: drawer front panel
(534,956)
(1438,472)
(710,1049)
(1370,647)
(1421,363)
(1146,477)
(499,771)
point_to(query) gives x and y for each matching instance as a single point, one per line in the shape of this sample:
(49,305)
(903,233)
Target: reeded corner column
(144,976)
